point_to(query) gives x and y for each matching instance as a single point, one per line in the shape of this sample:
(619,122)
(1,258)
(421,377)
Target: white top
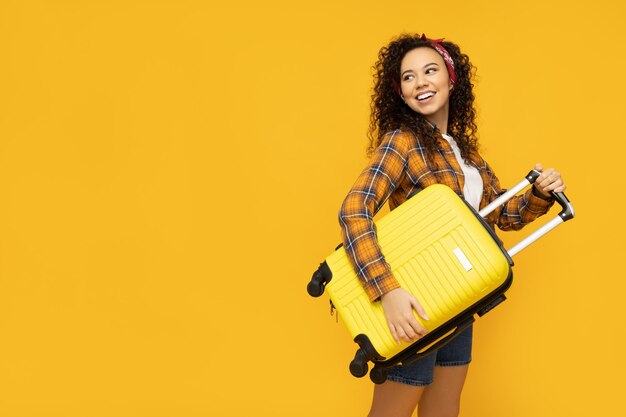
(473,186)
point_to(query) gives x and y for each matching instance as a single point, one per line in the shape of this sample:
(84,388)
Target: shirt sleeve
(518,211)
(368,194)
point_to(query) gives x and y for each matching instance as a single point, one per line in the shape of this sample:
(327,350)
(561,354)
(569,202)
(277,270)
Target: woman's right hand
(398,305)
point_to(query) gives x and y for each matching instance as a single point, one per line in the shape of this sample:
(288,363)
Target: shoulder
(398,140)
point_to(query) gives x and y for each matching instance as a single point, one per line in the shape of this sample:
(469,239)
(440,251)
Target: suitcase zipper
(332,312)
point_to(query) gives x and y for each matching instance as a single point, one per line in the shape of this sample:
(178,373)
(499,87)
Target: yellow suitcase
(442,251)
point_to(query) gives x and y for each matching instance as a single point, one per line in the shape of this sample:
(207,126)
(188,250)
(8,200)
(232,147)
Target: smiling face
(425,85)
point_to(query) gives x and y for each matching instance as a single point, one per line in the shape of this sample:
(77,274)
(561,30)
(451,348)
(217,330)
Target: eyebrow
(409,70)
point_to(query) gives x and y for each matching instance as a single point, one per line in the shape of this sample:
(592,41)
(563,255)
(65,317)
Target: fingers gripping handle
(568,210)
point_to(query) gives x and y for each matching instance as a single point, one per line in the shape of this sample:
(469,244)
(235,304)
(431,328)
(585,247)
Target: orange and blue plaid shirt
(399,168)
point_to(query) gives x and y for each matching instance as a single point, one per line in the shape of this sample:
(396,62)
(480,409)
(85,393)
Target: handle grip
(568,210)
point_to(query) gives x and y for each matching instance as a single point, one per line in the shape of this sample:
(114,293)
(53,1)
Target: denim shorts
(420,373)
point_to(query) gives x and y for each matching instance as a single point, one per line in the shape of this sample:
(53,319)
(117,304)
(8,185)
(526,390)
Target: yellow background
(170,174)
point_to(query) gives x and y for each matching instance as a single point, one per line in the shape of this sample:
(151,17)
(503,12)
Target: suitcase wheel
(315,288)
(378,375)
(358,366)
(319,280)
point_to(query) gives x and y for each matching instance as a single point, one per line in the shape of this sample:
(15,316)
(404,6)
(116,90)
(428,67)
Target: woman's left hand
(549,180)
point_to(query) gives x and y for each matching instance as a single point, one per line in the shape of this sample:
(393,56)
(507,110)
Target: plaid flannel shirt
(398,170)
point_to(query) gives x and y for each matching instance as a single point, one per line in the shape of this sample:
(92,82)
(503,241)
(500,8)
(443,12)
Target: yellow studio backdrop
(170,175)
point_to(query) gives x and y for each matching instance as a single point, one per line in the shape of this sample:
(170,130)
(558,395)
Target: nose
(420,81)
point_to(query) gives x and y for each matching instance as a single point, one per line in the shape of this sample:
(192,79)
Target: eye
(431,70)
(407,77)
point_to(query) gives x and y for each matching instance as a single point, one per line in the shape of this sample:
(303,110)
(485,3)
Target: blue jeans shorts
(420,373)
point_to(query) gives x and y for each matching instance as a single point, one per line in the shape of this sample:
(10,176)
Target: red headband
(436,43)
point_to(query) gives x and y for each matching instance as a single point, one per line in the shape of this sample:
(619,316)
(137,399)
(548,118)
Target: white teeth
(425,95)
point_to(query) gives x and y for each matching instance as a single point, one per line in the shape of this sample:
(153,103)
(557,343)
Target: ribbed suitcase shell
(439,250)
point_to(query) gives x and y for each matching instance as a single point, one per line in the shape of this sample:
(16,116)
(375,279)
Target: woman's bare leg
(443,397)
(392,399)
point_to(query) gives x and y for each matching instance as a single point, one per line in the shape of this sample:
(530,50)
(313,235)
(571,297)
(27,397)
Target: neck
(442,126)
(439,120)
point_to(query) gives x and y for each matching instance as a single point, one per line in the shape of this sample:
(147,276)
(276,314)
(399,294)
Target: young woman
(423,132)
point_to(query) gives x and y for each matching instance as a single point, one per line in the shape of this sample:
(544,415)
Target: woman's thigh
(443,397)
(393,399)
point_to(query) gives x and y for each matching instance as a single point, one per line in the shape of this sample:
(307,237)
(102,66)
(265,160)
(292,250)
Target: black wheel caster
(318,281)
(315,288)
(378,375)
(358,366)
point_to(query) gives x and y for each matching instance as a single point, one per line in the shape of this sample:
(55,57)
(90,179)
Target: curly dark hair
(389,112)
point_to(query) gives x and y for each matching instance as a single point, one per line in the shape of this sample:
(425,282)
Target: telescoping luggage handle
(566,213)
